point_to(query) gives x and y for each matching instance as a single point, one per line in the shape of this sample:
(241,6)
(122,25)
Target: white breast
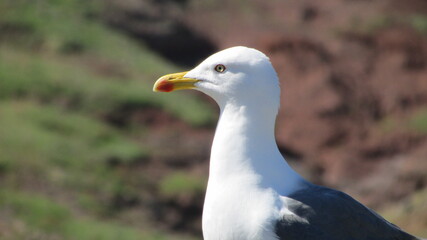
(240,210)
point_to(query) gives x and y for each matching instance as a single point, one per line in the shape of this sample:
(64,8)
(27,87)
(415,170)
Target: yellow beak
(174,81)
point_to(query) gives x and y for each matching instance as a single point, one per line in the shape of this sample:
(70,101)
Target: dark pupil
(220,68)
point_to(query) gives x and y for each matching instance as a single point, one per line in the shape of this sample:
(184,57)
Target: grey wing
(321,213)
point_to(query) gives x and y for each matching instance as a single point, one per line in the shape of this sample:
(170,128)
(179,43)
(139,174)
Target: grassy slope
(61,71)
(410,214)
(65,54)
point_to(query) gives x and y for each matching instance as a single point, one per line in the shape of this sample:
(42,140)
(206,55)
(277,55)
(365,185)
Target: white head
(237,75)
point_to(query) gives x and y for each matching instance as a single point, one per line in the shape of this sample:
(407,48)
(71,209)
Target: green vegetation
(45,219)
(62,164)
(67,57)
(419,23)
(370,26)
(61,149)
(46,216)
(418,121)
(182,184)
(53,79)
(410,214)
(377,23)
(388,125)
(415,122)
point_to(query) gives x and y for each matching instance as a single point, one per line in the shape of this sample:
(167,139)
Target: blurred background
(88,152)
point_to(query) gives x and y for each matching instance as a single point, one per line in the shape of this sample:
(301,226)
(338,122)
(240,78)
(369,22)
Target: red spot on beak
(164,86)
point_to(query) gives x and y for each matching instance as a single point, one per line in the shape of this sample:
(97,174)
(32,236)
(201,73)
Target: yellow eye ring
(220,68)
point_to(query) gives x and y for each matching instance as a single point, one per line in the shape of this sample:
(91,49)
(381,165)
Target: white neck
(244,145)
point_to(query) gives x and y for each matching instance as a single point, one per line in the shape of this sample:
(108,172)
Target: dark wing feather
(326,214)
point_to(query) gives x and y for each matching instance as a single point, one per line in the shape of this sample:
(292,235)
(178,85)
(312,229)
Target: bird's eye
(220,68)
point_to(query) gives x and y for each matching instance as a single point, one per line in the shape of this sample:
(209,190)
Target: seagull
(252,192)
